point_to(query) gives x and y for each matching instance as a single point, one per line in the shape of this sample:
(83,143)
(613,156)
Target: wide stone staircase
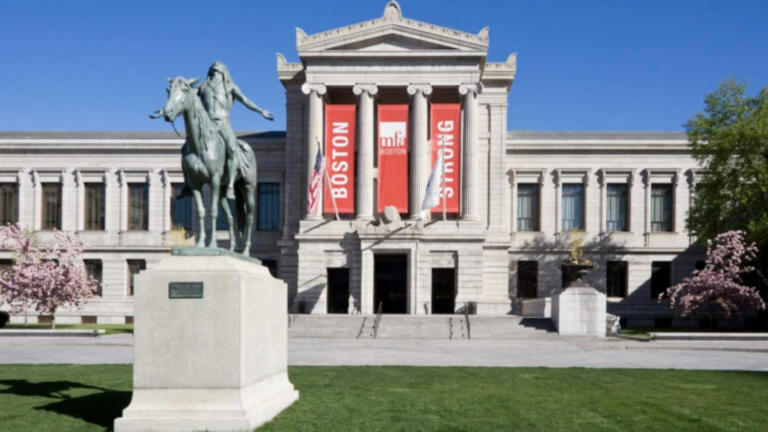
(453,327)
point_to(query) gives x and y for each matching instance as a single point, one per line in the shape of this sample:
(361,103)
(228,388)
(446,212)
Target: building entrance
(443,291)
(390,283)
(338,290)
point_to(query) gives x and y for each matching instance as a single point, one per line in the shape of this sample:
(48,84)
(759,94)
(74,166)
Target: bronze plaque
(185,290)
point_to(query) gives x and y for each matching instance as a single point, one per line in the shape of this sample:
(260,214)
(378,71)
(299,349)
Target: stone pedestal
(211,360)
(579,311)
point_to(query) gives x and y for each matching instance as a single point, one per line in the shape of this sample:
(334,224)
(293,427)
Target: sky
(582,65)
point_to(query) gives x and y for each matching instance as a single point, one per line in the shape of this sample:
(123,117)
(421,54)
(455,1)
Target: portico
(393,72)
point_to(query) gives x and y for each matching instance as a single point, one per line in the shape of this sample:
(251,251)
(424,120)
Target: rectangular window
(573,207)
(661,207)
(9,203)
(618,206)
(134,267)
(181,210)
(616,279)
(661,277)
(527,207)
(527,279)
(268,207)
(138,207)
(94,206)
(93,268)
(51,206)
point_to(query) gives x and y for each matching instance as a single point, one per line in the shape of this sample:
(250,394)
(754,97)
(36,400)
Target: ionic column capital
(424,89)
(308,88)
(371,89)
(474,88)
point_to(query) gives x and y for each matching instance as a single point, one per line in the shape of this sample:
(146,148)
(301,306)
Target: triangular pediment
(392,33)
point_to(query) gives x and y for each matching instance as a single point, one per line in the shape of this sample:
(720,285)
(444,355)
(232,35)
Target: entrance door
(390,283)
(338,290)
(443,291)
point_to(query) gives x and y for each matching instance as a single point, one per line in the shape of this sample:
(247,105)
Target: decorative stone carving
(308,88)
(392,12)
(284,66)
(371,89)
(390,215)
(509,66)
(443,261)
(424,89)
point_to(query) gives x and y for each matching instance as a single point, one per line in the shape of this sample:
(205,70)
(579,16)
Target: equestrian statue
(212,154)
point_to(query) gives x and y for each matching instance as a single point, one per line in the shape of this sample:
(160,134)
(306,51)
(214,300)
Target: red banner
(446,134)
(393,157)
(340,157)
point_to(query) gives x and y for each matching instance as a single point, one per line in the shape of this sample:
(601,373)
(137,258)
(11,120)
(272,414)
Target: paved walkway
(610,353)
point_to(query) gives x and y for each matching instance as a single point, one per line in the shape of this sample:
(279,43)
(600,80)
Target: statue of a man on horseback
(212,153)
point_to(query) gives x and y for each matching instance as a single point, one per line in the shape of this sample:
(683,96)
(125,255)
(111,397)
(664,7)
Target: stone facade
(391,59)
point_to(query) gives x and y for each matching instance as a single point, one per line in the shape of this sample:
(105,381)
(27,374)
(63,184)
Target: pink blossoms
(718,286)
(46,277)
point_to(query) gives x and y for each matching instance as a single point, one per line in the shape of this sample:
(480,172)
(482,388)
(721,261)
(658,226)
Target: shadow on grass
(98,408)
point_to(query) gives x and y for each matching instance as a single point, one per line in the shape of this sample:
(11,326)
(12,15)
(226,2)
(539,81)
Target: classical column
(468,194)
(419,159)
(79,202)
(314,136)
(365,132)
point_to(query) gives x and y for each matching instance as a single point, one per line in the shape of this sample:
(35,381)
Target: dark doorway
(338,290)
(390,283)
(443,291)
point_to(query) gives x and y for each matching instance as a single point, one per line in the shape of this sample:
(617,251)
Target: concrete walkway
(608,353)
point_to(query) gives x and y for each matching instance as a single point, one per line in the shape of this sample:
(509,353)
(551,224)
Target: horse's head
(178,91)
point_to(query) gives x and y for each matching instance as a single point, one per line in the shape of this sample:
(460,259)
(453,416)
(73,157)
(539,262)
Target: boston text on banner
(340,156)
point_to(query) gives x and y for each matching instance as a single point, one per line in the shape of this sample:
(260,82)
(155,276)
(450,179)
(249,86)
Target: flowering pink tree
(718,286)
(44,277)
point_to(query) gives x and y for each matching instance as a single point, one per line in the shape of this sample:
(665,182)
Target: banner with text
(393,157)
(446,134)
(340,157)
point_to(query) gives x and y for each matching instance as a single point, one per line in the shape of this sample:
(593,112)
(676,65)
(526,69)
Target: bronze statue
(212,153)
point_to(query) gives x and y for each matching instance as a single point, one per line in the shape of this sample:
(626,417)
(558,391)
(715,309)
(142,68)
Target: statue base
(579,311)
(211,346)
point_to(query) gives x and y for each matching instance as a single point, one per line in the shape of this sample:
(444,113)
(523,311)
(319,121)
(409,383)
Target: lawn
(108,328)
(85,398)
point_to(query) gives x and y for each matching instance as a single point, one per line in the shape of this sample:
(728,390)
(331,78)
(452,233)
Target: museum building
(382,100)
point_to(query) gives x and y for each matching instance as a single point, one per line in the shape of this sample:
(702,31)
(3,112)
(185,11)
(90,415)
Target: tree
(729,139)
(718,286)
(44,277)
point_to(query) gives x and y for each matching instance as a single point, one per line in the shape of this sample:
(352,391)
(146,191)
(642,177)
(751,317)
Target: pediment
(392,32)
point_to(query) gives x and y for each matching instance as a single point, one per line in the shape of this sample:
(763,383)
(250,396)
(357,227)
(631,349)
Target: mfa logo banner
(393,157)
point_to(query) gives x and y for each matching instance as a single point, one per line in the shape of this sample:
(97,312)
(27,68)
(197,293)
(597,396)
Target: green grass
(108,328)
(88,398)
(644,331)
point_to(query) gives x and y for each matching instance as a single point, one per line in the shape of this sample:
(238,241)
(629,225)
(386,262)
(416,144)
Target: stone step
(420,327)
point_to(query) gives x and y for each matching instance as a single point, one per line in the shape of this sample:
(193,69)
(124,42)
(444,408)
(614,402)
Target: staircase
(421,327)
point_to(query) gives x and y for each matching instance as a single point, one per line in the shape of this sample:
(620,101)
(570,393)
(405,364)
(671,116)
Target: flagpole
(328,181)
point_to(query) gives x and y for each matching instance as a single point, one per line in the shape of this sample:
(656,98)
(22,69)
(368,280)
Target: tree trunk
(53,320)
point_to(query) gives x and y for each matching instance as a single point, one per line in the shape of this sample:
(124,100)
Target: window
(51,206)
(527,207)
(527,279)
(268,207)
(661,277)
(138,207)
(9,203)
(181,210)
(617,211)
(221,219)
(93,268)
(661,207)
(573,207)
(134,267)
(616,280)
(94,207)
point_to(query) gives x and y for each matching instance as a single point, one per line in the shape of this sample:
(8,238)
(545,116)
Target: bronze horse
(204,162)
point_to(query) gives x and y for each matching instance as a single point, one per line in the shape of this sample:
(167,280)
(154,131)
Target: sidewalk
(589,353)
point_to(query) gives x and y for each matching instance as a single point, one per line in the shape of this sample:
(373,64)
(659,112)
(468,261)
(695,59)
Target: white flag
(432,195)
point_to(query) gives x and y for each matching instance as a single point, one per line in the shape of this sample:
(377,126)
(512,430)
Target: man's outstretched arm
(250,105)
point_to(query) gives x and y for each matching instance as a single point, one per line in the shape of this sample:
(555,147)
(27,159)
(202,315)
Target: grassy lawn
(644,331)
(88,398)
(109,328)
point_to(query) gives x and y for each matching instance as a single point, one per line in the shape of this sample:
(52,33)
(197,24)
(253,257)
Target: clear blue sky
(582,65)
